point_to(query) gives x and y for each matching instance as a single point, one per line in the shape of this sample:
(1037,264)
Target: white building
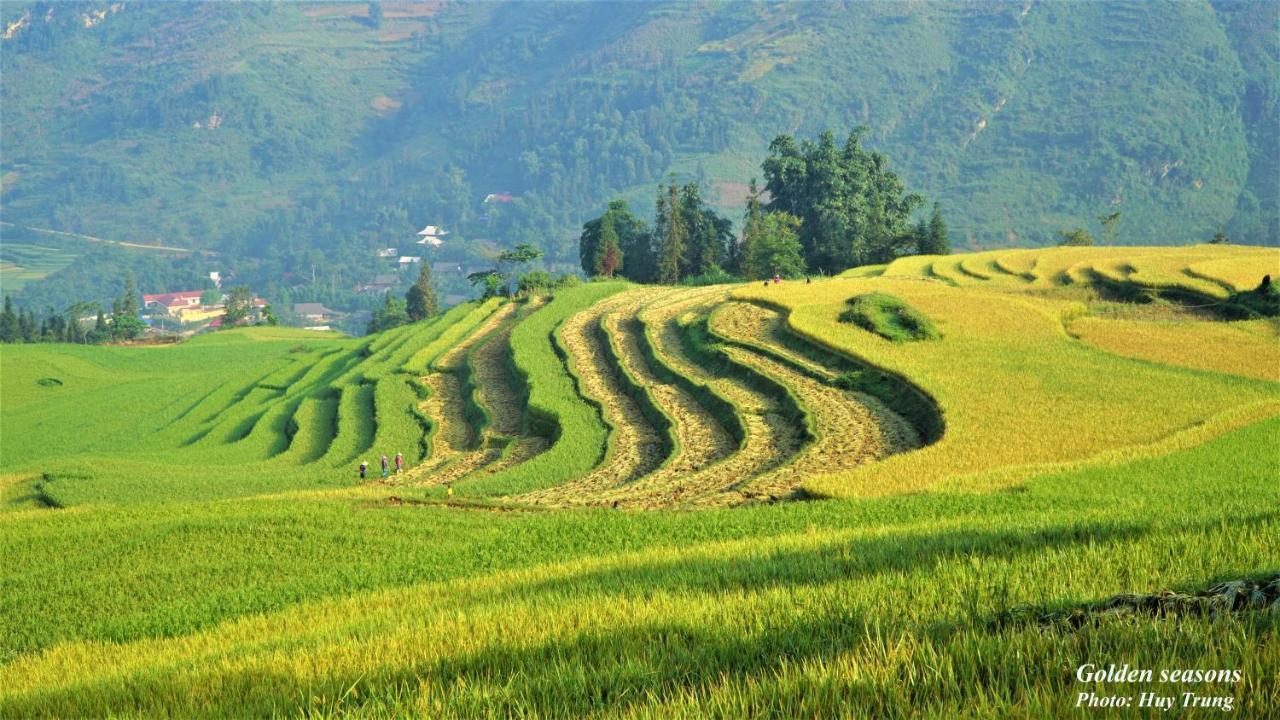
(432,236)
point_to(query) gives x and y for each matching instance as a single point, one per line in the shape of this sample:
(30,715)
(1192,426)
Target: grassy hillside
(271,131)
(970,494)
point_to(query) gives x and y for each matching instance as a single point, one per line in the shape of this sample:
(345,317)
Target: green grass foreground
(863,608)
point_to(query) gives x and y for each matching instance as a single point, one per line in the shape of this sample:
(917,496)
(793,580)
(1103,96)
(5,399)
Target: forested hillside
(286,136)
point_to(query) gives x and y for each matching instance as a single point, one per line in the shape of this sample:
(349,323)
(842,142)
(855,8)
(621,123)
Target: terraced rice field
(541,556)
(693,397)
(21,263)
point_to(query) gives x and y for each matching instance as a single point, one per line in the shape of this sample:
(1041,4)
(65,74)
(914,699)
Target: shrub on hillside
(889,317)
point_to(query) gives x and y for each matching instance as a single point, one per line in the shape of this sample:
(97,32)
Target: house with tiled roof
(171,303)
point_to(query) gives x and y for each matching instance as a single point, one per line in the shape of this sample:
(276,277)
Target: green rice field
(626,501)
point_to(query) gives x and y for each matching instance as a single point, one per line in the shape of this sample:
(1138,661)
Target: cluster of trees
(688,239)
(419,303)
(853,209)
(21,326)
(829,208)
(238,307)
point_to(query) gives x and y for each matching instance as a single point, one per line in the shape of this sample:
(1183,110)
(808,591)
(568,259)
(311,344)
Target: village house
(184,307)
(432,236)
(314,313)
(380,285)
(170,303)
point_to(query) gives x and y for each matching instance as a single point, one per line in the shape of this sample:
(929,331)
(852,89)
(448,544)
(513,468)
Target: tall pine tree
(9,331)
(938,244)
(608,255)
(741,258)
(671,233)
(420,301)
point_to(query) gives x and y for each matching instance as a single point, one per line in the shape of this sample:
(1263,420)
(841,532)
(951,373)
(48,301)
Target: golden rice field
(639,502)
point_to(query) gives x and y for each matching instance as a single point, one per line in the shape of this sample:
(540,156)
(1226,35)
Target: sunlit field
(637,501)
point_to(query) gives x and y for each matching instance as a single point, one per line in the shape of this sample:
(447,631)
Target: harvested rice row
(700,438)
(635,446)
(769,436)
(767,329)
(446,405)
(850,428)
(487,359)
(498,391)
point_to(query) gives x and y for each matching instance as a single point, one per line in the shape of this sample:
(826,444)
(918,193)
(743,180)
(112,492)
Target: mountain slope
(278,130)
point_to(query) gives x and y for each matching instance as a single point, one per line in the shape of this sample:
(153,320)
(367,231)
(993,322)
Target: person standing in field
(399,463)
(384,466)
(364,468)
(777,278)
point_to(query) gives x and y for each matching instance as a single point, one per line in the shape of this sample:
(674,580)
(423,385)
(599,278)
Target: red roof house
(172,301)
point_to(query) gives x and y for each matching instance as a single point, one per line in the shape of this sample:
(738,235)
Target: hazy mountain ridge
(287,127)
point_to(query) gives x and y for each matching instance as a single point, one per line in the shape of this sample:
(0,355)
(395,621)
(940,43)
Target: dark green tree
(1077,237)
(1110,223)
(1219,238)
(670,232)
(420,301)
(853,209)
(125,323)
(101,332)
(708,236)
(491,280)
(608,257)
(635,249)
(519,256)
(931,237)
(129,304)
(8,322)
(775,248)
(751,221)
(27,326)
(239,303)
(392,314)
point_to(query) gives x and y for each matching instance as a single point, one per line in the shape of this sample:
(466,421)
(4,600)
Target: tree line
(22,326)
(824,208)
(124,323)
